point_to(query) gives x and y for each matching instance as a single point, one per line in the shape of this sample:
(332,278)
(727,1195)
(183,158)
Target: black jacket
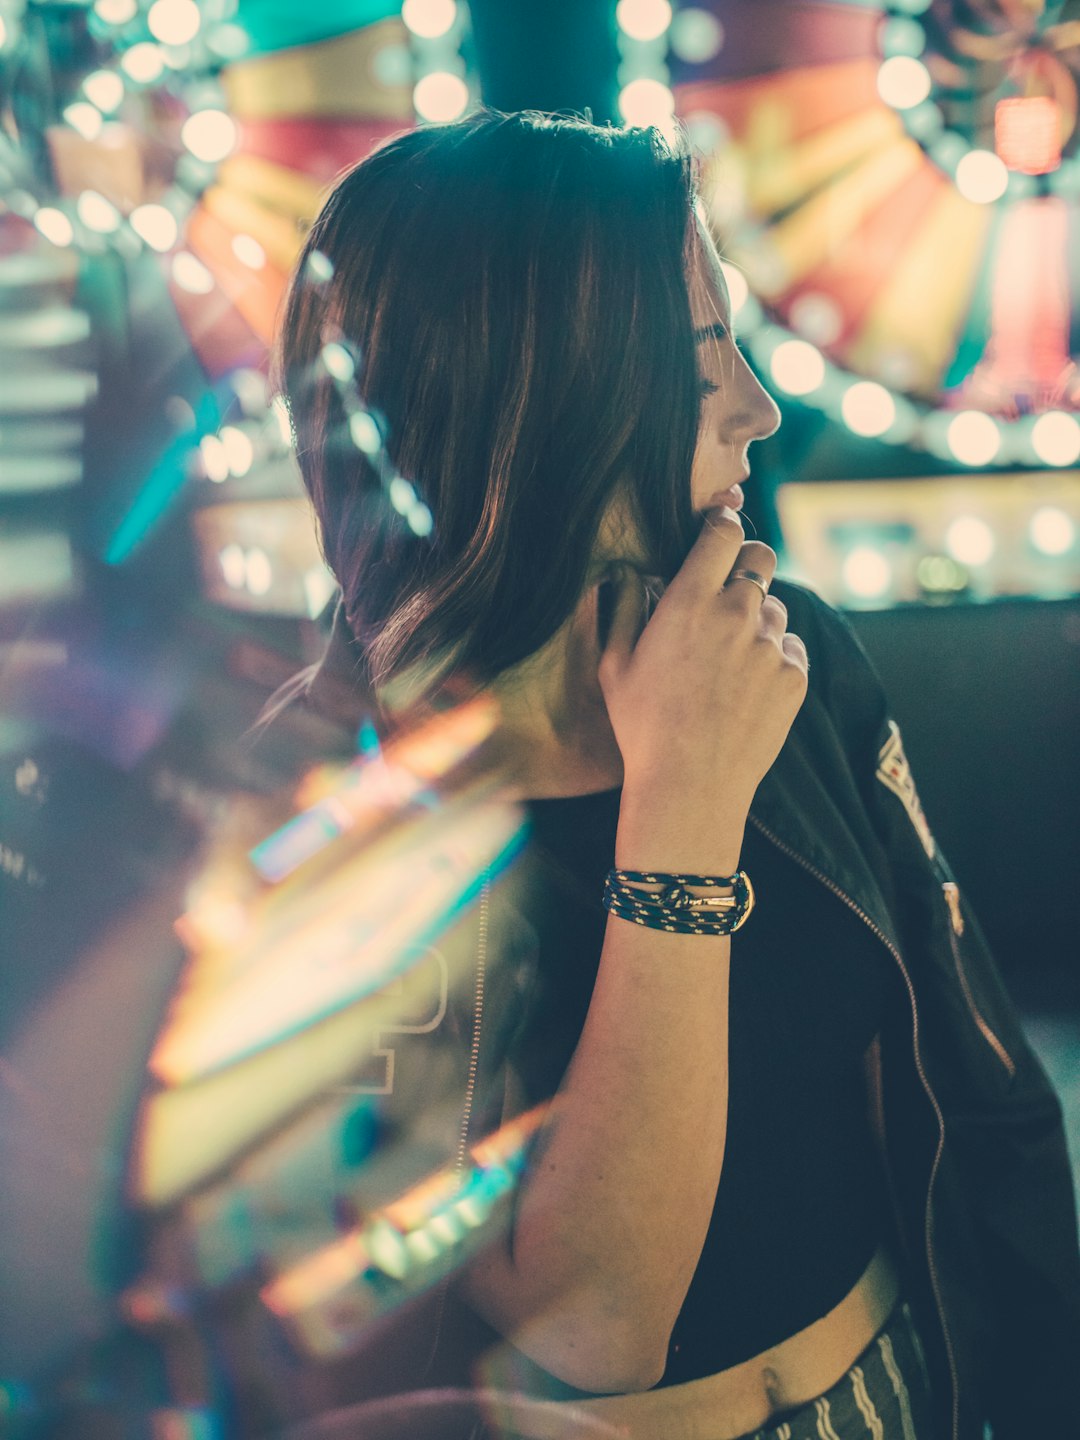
(972,1128)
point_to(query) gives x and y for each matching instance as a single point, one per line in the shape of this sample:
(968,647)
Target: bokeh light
(116,12)
(155,225)
(643,19)
(647,102)
(973,437)
(248,251)
(84,118)
(215,460)
(54,225)
(105,88)
(143,62)
(868,408)
(97,213)
(258,571)
(441,97)
(970,540)
(1055,438)
(738,289)
(239,451)
(797,367)
(696,35)
(429,18)
(867,572)
(981,176)
(174,22)
(191,274)
(210,135)
(1052,531)
(903,82)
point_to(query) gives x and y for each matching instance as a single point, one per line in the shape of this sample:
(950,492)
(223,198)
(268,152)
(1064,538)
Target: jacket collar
(813,809)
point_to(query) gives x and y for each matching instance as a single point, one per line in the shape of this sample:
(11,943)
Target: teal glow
(162,486)
(278,24)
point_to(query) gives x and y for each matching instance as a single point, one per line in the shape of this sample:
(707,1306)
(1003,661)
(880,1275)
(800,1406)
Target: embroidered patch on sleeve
(894,772)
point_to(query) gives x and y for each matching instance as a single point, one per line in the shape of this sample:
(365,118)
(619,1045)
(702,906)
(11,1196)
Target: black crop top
(801,1204)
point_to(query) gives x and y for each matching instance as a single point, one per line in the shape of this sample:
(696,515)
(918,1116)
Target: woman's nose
(767,415)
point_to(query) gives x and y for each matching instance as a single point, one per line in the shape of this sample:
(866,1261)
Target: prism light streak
(412,1241)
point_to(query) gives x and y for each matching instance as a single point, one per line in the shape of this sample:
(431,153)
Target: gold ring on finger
(753,576)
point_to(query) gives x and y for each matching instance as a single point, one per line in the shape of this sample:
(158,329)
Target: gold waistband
(743,1397)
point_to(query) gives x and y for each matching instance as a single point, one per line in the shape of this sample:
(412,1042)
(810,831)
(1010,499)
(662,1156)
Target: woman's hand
(702,697)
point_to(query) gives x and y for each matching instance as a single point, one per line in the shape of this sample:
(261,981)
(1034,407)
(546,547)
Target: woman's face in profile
(735,409)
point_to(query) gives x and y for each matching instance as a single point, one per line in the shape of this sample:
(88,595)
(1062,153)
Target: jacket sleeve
(1005,1190)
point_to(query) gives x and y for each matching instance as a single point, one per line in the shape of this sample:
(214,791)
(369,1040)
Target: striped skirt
(885,1395)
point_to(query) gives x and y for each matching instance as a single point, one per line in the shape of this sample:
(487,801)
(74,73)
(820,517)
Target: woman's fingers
(712,554)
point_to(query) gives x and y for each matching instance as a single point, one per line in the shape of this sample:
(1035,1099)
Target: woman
(741,1215)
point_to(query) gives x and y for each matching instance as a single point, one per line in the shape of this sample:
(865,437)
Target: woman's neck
(555,731)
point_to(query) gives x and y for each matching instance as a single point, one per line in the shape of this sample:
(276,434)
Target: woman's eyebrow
(706,332)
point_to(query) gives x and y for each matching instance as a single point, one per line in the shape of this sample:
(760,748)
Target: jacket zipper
(928,1216)
(952,896)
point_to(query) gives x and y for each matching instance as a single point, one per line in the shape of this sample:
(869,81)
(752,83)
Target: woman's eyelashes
(707,387)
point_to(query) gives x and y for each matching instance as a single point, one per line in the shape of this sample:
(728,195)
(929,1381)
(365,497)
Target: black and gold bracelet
(673,908)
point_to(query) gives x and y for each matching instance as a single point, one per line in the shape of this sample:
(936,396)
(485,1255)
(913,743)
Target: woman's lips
(732,497)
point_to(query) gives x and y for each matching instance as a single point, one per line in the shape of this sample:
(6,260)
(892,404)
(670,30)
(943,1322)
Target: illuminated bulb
(116,12)
(84,119)
(1055,438)
(338,362)
(696,35)
(973,437)
(420,519)
(239,451)
(1052,531)
(191,274)
(391,65)
(868,408)
(901,35)
(3,32)
(155,225)
(248,251)
(229,41)
(797,367)
(817,317)
(970,540)
(903,82)
(280,412)
(646,102)
(105,88)
(54,225)
(402,495)
(429,18)
(319,585)
(643,19)
(232,565)
(210,135)
(258,572)
(981,176)
(940,574)
(215,460)
(97,213)
(440,96)
(143,62)
(867,572)
(319,268)
(738,289)
(174,22)
(365,433)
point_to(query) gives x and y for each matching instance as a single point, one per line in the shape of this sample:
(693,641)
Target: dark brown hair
(513,288)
